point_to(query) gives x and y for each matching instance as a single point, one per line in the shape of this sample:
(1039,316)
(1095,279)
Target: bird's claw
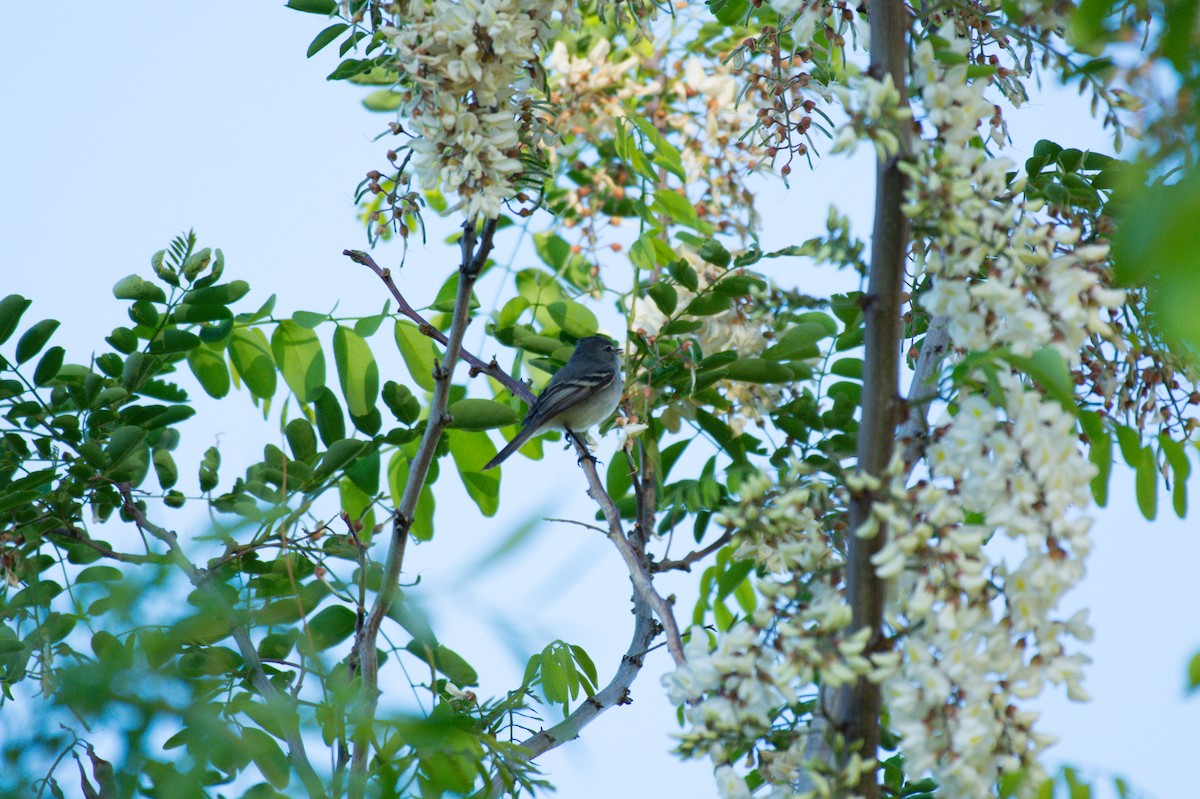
(587,456)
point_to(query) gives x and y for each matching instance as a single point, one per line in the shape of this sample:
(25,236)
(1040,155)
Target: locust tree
(884,493)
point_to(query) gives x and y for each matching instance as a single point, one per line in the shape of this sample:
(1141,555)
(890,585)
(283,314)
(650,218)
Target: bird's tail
(526,433)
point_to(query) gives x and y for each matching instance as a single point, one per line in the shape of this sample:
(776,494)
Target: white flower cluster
(876,112)
(745,691)
(740,328)
(466,64)
(981,634)
(1038,289)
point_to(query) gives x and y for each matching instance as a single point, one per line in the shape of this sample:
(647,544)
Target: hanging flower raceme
(466,66)
(984,629)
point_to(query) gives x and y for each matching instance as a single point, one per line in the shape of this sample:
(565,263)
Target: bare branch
(638,573)
(491,369)
(581,524)
(201,578)
(365,647)
(685,563)
(83,538)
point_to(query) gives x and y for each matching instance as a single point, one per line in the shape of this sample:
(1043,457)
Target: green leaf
(677,207)
(576,320)
(401,402)
(734,576)
(729,12)
(1193,674)
(1130,441)
(208,469)
(136,287)
(446,661)
(758,370)
(709,304)
(32,341)
(1051,372)
(681,327)
(398,469)
(99,574)
(331,422)
(350,68)
(302,440)
(357,371)
(298,352)
(267,755)
(383,101)
(165,469)
(1099,452)
(471,451)
(714,252)
(325,37)
(48,366)
(251,357)
(1154,244)
(448,294)
(339,454)
(418,353)
(797,343)
(209,368)
(684,274)
(364,472)
(1180,469)
(223,294)
(325,7)
(11,309)
(331,626)
(480,414)
(664,296)
(128,455)
(309,319)
(1146,484)
(172,340)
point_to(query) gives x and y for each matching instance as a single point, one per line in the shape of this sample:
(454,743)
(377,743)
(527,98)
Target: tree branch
(83,538)
(241,635)
(685,563)
(858,719)
(473,259)
(614,694)
(491,369)
(638,572)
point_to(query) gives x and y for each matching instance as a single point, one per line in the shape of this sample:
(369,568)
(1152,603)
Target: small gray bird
(583,393)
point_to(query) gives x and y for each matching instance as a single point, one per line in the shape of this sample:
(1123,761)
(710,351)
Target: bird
(583,393)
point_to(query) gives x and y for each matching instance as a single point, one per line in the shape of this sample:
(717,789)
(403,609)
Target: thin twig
(105,550)
(685,563)
(201,579)
(581,524)
(473,259)
(491,369)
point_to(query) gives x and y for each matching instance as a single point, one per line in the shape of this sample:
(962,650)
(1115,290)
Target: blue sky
(123,130)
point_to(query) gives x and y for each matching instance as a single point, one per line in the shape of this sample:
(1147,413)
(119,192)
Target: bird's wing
(562,395)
